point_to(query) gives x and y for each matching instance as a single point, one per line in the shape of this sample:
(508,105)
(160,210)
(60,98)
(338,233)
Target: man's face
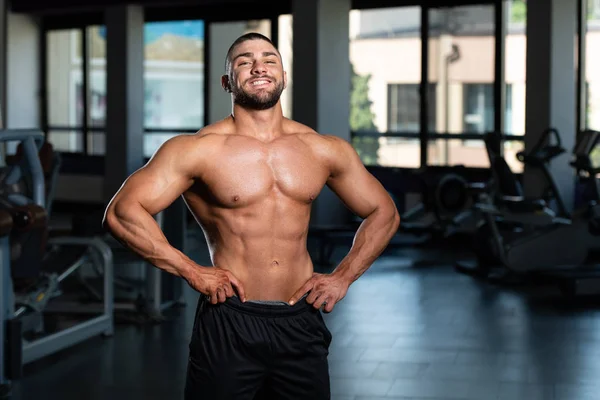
(256,77)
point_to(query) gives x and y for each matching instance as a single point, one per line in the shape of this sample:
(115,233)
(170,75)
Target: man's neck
(264,125)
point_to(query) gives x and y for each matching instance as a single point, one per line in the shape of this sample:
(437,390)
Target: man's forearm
(372,237)
(137,230)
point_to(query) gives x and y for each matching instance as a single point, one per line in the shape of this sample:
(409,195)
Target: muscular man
(250,181)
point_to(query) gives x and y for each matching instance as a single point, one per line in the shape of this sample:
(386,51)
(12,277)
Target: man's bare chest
(244,175)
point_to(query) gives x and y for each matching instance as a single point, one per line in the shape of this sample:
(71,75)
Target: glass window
(68,141)
(285,39)
(173,79)
(404,110)
(515,50)
(385,58)
(174,71)
(222,35)
(96,36)
(478,107)
(64,77)
(96,42)
(461,65)
(592,66)
(457,152)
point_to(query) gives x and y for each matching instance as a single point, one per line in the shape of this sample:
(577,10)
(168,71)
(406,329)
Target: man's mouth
(260,82)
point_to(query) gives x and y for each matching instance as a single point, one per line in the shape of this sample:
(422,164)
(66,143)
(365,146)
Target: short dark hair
(242,39)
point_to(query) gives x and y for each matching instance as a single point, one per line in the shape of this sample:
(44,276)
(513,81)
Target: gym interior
(480,118)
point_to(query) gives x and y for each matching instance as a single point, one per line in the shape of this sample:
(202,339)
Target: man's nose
(259,67)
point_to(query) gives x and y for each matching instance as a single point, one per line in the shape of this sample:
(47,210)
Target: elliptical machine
(548,245)
(540,156)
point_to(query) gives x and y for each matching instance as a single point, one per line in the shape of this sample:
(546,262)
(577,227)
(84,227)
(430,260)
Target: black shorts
(258,351)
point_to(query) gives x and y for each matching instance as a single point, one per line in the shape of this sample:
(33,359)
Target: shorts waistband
(268,308)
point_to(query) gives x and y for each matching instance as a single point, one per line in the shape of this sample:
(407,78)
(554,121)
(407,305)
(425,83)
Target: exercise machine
(142,292)
(541,155)
(32,275)
(523,237)
(446,206)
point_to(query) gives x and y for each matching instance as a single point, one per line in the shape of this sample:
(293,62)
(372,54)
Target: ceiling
(263,7)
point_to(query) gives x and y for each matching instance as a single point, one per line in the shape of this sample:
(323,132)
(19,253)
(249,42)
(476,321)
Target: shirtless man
(250,181)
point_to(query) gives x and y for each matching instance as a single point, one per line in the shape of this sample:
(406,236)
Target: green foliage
(592,12)
(362,118)
(518,11)
(595,157)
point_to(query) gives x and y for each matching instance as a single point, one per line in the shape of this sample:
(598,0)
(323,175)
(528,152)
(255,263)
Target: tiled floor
(410,328)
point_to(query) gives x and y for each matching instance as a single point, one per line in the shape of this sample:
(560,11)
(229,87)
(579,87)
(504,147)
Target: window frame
(500,9)
(82,21)
(209,15)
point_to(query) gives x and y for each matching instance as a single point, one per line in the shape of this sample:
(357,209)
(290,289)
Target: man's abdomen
(268,269)
(263,245)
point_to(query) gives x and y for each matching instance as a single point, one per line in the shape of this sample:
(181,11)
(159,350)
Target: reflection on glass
(222,35)
(461,66)
(96,77)
(514,67)
(64,77)
(285,42)
(456,152)
(152,141)
(385,58)
(66,141)
(96,143)
(592,66)
(174,71)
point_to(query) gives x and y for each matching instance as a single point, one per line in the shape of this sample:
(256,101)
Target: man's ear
(284,79)
(225,83)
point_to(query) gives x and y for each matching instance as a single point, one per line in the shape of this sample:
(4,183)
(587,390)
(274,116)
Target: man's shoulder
(194,144)
(222,127)
(314,137)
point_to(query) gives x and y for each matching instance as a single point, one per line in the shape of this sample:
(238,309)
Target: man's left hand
(325,291)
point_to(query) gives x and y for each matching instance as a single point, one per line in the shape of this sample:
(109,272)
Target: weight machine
(526,239)
(32,276)
(142,292)
(446,206)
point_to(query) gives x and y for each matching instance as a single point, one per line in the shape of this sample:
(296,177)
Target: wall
(222,35)
(22,71)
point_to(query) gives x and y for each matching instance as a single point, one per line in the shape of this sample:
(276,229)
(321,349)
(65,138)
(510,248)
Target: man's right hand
(216,283)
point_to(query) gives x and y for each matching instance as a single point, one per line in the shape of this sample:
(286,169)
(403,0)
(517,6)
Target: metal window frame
(84,21)
(500,9)
(209,16)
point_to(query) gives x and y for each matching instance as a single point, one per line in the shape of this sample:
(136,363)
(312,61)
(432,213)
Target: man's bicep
(355,185)
(157,184)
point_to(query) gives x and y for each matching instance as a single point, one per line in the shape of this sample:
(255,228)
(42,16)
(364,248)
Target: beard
(258,101)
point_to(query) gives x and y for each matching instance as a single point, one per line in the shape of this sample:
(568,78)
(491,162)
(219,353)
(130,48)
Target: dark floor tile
(444,389)
(409,355)
(577,392)
(476,373)
(390,370)
(347,354)
(480,358)
(352,369)
(382,340)
(360,387)
(403,331)
(516,391)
